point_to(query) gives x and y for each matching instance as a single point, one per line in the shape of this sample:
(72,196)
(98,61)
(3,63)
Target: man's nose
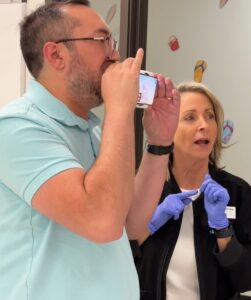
(115,55)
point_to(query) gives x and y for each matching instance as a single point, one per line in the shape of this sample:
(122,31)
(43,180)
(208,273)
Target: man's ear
(55,55)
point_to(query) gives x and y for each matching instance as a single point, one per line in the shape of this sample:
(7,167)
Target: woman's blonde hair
(200,88)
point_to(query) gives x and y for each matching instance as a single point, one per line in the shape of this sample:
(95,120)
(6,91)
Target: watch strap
(159,150)
(222,233)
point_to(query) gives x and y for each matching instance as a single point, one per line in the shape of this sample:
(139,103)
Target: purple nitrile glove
(216,198)
(171,206)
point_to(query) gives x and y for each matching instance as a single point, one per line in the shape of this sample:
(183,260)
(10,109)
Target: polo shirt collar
(56,109)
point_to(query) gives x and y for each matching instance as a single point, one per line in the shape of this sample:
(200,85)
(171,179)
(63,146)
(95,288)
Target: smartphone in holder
(147,88)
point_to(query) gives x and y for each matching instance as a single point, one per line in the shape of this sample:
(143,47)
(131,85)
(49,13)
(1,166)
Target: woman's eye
(211,116)
(189,118)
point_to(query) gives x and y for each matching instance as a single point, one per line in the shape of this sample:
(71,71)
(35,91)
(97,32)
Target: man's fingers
(161,87)
(176,96)
(136,64)
(128,62)
(169,87)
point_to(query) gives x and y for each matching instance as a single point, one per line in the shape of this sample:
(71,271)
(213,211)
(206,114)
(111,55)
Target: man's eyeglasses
(108,40)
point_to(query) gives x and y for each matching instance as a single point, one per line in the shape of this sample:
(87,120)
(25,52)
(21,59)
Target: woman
(199,250)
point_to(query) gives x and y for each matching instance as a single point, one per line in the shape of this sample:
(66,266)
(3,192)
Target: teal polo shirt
(39,259)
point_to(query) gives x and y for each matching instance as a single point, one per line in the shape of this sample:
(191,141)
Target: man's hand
(171,207)
(161,119)
(216,199)
(120,84)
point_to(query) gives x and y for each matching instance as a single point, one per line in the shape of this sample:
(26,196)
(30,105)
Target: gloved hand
(216,199)
(171,206)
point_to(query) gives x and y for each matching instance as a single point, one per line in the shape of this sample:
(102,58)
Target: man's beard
(84,85)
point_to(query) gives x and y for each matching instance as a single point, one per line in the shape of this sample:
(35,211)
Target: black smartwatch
(159,150)
(222,233)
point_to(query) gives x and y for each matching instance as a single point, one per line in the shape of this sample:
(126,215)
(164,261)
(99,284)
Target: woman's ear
(55,55)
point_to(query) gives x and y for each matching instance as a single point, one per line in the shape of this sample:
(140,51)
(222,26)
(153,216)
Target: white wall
(220,36)
(13,73)
(12,69)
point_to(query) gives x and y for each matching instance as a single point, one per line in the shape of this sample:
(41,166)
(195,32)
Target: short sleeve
(30,154)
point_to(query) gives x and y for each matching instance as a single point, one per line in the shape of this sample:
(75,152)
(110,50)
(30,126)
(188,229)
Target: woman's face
(197,128)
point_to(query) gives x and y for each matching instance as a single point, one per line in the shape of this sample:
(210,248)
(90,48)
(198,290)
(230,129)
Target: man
(65,198)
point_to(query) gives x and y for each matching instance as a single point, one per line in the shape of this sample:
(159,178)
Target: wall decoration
(111,13)
(173,43)
(227,131)
(199,69)
(223,3)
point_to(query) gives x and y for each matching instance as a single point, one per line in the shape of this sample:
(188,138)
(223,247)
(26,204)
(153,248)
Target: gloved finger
(215,195)
(187,201)
(185,195)
(207,176)
(208,185)
(207,181)
(179,208)
(210,194)
(167,200)
(221,195)
(205,185)
(171,204)
(211,190)
(214,191)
